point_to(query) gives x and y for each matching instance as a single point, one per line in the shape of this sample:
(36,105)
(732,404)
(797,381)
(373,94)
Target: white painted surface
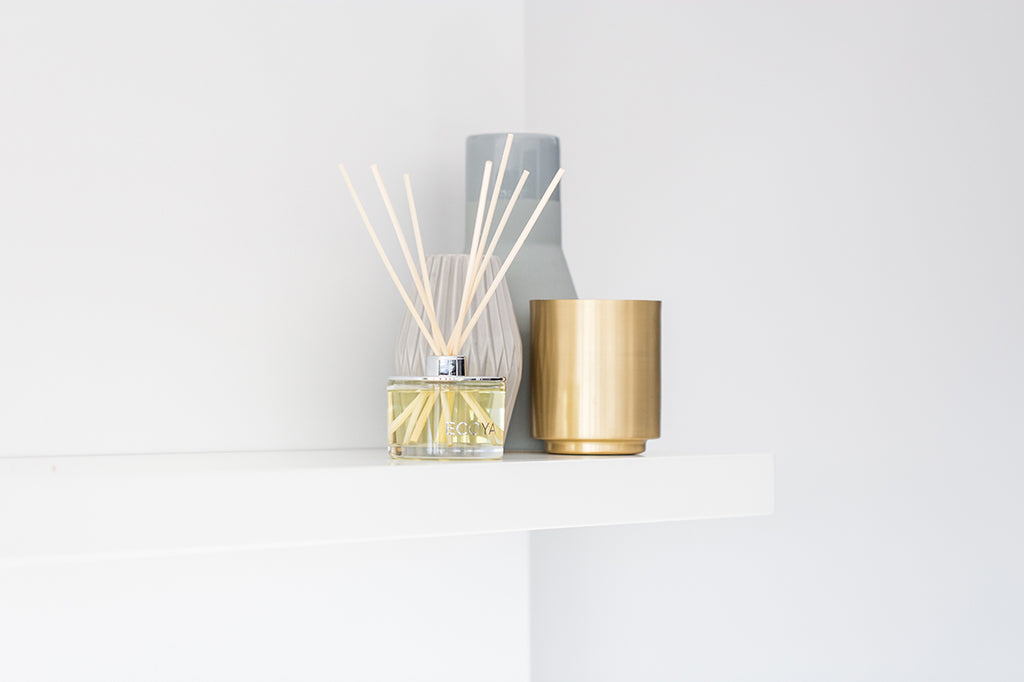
(827,196)
(181,268)
(447,609)
(95,506)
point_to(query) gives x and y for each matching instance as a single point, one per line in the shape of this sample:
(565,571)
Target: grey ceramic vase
(540,270)
(494,347)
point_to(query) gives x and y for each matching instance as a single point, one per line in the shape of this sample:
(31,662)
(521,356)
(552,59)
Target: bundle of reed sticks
(480,251)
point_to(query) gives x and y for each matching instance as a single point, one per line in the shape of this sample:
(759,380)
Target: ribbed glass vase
(494,347)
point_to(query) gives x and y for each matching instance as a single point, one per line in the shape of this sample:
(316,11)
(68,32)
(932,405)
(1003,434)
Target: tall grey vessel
(540,271)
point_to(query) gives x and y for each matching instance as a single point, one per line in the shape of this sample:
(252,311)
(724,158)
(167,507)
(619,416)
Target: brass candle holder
(595,373)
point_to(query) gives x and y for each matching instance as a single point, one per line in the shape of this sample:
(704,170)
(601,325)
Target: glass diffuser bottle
(446,415)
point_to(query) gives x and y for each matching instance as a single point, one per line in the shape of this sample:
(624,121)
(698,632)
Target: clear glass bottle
(446,415)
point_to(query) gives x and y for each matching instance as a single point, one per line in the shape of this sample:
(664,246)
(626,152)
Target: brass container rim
(594,300)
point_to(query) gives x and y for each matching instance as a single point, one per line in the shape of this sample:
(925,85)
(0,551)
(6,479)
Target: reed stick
(508,260)
(476,258)
(428,302)
(482,416)
(436,329)
(387,264)
(410,424)
(497,234)
(404,415)
(464,304)
(425,414)
(446,416)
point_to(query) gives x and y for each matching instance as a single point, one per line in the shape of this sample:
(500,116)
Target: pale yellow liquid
(446,418)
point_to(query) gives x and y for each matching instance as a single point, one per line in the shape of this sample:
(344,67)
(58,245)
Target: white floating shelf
(109,505)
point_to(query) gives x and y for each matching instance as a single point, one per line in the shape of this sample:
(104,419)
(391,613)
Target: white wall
(827,196)
(181,267)
(438,610)
(824,195)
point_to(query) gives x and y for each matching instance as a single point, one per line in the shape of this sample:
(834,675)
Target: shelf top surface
(279,460)
(197,462)
(115,505)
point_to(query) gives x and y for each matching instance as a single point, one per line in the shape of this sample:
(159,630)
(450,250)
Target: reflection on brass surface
(595,374)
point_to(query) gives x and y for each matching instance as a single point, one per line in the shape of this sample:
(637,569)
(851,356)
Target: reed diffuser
(445,414)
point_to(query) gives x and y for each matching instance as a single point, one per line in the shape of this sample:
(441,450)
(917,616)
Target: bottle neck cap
(445,366)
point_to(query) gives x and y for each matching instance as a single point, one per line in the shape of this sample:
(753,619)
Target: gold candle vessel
(595,373)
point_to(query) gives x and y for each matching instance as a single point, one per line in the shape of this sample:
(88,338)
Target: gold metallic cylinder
(595,375)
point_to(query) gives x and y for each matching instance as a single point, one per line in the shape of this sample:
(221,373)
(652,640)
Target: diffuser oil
(446,415)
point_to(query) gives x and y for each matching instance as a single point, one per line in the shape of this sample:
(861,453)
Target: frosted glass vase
(540,270)
(494,347)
